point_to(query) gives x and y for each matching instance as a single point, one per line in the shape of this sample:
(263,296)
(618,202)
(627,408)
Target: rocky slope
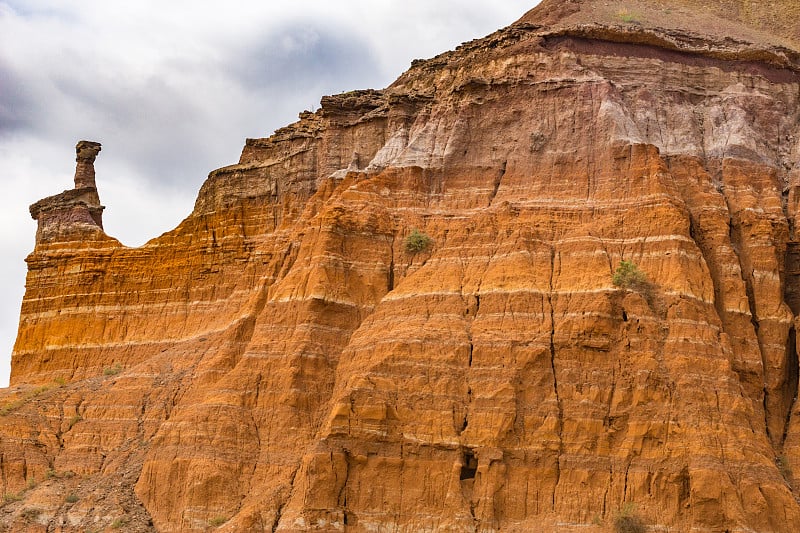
(282,362)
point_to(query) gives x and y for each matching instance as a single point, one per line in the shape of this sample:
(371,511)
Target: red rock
(281,361)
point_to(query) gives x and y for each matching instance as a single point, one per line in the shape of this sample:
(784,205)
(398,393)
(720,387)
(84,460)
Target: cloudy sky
(173,88)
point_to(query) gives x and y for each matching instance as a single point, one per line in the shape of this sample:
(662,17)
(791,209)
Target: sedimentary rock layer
(282,362)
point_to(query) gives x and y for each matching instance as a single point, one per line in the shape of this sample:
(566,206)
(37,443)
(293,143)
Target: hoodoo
(548,281)
(76,210)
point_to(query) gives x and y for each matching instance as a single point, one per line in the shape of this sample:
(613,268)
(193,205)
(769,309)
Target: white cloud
(172,89)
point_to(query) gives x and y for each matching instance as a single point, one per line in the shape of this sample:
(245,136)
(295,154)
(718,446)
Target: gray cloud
(302,53)
(16,108)
(172,90)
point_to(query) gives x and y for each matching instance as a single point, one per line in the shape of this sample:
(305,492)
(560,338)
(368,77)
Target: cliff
(283,361)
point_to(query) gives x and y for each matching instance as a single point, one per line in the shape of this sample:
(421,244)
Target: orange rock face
(282,361)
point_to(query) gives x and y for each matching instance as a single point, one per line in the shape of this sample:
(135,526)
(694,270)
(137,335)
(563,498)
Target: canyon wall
(282,361)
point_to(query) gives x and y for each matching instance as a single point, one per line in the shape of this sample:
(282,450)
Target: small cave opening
(624,316)
(469,465)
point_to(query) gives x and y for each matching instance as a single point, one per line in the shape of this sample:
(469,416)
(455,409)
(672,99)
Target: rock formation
(281,361)
(76,213)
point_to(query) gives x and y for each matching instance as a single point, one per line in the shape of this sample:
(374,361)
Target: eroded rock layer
(281,361)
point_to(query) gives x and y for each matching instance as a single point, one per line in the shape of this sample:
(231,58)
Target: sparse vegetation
(10,497)
(627,521)
(417,242)
(627,17)
(31,482)
(628,276)
(112,370)
(217,521)
(74,420)
(119,522)
(71,498)
(13,405)
(782,462)
(31,513)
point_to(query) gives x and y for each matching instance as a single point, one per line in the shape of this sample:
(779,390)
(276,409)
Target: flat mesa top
(773,23)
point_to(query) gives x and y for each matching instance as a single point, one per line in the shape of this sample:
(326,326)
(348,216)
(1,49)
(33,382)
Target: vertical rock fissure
(341,498)
(737,244)
(735,235)
(791,277)
(279,510)
(790,383)
(390,274)
(555,375)
(497,180)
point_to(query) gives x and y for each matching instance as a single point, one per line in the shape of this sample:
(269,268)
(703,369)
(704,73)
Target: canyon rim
(284,361)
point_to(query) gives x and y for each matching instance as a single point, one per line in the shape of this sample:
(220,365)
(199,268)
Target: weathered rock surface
(281,362)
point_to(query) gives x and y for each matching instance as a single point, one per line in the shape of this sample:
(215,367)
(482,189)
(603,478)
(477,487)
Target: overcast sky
(172,89)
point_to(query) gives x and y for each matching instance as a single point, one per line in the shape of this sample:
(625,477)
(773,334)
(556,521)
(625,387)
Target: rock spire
(75,214)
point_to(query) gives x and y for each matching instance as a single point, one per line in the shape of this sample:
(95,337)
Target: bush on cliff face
(628,276)
(627,521)
(417,242)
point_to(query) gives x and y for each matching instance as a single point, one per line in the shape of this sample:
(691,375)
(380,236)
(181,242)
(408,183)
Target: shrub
(112,370)
(782,462)
(627,16)
(31,513)
(19,402)
(10,497)
(74,420)
(628,276)
(10,407)
(627,521)
(119,522)
(417,242)
(217,521)
(72,498)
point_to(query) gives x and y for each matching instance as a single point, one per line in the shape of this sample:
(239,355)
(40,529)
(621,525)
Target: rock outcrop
(282,361)
(75,214)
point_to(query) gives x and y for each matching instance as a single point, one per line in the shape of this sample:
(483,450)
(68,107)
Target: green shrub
(119,522)
(72,498)
(782,462)
(417,242)
(217,521)
(628,276)
(12,406)
(627,521)
(112,370)
(627,17)
(74,420)
(10,497)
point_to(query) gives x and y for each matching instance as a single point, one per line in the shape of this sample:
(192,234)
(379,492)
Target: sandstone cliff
(282,362)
